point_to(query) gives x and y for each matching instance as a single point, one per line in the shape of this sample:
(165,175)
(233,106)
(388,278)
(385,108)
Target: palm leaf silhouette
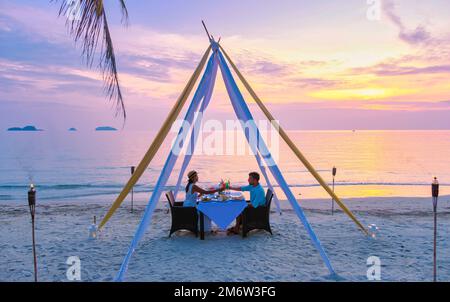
(88,25)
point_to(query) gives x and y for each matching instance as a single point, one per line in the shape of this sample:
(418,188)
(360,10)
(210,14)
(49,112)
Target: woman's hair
(191,177)
(188,184)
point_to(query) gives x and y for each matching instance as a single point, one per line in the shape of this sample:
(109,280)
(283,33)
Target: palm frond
(91,26)
(124,11)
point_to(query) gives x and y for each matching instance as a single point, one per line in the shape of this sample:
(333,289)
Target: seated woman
(193,192)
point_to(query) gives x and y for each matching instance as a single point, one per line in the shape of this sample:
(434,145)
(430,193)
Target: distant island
(73,129)
(26,128)
(105,128)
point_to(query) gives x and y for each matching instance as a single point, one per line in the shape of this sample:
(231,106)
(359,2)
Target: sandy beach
(107,106)
(403,244)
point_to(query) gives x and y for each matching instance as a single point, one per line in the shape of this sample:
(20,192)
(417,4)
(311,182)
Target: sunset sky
(316,64)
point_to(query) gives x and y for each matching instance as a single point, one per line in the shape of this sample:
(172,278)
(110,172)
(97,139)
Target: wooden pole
(435,196)
(34,250)
(332,200)
(32,206)
(435,246)
(207,32)
(333,172)
(132,189)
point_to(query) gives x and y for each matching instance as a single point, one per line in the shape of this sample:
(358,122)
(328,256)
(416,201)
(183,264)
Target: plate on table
(207,197)
(237,198)
(223,198)
(235,194)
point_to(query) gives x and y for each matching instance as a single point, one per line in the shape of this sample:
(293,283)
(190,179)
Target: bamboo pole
(34,249)
(32,206)
(132,189)
(291,144)
(435,246)
(207,32)
(157,142)
(332,201)
(435,195)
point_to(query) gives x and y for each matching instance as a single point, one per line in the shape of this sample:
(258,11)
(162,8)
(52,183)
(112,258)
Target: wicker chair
(257,218)
(183,218)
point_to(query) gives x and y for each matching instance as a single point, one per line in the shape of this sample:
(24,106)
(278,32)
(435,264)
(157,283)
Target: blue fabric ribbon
(244,115)
(196,127)
(168,167)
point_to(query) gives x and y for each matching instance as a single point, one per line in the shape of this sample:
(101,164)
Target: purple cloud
(264,67)
(395,70)
(156,68)
(416,36)
(413,105)
(315,82)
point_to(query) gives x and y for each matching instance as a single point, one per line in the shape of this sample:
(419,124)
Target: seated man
(257,198)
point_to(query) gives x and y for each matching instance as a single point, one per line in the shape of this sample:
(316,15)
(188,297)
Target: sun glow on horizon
(362,93)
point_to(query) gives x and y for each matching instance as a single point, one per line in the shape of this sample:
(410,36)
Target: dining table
(222,209)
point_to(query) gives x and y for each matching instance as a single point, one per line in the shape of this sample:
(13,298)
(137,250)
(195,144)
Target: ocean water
(88,165)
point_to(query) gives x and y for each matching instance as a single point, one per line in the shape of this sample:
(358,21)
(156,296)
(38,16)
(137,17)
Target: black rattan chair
(183,218)
(257,218)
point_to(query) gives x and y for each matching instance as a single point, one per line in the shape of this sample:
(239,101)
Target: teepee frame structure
(242,112)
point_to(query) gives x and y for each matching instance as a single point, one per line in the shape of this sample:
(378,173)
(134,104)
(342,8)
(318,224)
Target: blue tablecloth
(222,212)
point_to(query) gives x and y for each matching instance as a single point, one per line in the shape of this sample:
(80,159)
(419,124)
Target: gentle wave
(68,186)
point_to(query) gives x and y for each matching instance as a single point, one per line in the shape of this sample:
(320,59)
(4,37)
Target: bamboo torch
(32,206)
(435,195)
(132,189)
(332,199)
